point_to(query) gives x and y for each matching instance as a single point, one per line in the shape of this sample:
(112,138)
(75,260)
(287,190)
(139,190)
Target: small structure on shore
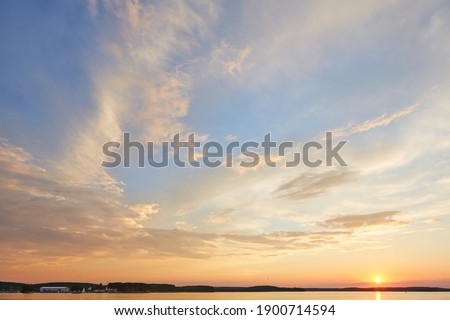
(54,289)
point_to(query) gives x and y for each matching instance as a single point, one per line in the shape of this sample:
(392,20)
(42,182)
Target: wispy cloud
(381,121)
(353,221)
(43,216)
(312,185)
(233,61)
(135,88)
(221,216)
(230,137)
(281,241)
(145,210)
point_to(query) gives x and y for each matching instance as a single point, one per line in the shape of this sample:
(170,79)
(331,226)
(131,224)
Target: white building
(54,289)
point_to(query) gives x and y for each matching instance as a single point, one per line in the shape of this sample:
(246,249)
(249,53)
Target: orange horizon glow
(200,273)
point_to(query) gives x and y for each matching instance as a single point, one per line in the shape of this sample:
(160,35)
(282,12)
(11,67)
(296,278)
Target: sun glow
(377,280)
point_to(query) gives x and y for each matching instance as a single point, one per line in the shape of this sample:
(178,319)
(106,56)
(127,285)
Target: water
(233,296)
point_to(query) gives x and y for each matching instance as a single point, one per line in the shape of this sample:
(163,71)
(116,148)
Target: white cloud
(144,210)
(230,137)
(135,88)
(221,216)
(233,61)
(380,121)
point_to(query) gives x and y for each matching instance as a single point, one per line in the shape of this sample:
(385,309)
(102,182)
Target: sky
(77,74)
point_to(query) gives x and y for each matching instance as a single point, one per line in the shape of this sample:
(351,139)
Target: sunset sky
(76,74)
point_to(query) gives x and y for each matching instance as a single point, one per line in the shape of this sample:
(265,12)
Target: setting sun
(377,280)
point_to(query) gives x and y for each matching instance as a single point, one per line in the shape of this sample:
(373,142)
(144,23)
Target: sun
(377,280)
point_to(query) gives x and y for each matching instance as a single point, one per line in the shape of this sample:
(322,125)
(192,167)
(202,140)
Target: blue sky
(78,74)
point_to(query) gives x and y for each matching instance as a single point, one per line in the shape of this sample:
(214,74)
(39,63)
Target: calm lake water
(233,296)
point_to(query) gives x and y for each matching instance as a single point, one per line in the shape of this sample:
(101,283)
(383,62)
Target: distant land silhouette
(138,287)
